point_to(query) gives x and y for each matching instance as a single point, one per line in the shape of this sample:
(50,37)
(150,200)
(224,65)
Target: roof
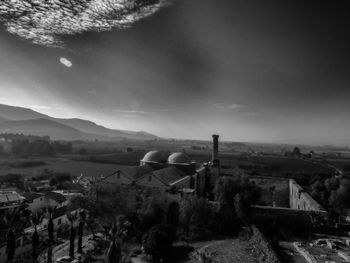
(132,172)
(169,175)
(62,211)
(59,212)
(179,158)
(55,196)
(10,197)
(153,157)
(32,195)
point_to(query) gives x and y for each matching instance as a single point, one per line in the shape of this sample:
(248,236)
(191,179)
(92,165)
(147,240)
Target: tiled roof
(132,172)
(136,172)
(169,175)
(32,195)
(55,196)
(10,197)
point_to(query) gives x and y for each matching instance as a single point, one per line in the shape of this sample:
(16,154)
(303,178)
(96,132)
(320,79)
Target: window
(59,221)
(150,178)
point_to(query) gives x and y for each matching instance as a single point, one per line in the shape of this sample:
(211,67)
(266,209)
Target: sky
(249,70)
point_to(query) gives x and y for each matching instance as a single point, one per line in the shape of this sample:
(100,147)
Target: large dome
(153,157)
(179,158)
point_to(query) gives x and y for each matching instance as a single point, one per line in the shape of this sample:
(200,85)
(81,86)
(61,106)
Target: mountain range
(27,121)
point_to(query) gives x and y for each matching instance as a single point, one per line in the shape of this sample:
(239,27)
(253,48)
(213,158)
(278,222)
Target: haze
(262,71)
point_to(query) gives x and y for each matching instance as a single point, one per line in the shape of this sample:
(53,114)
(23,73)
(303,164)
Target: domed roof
(153,157)
(179,158)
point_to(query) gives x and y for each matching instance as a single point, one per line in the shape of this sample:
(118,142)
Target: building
(10,200)
(35,201)
(37,186)
(60,219)
(170,174)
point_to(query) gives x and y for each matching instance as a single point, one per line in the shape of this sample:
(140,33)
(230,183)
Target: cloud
(46,21)
(66,62)
(224,106)
(132,112)
(92,91)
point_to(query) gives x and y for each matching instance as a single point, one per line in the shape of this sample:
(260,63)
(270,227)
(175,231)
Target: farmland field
(57,165)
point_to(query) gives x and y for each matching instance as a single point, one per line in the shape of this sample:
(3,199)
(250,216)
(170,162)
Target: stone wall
(301,200)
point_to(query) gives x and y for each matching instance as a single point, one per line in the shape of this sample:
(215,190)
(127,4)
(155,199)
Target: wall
(37,204)
(149,180)
(301,200)
(274,191)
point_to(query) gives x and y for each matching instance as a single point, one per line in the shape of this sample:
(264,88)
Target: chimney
(215,155)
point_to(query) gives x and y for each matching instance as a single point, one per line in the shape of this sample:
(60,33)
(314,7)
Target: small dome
(153,157)
(179,158)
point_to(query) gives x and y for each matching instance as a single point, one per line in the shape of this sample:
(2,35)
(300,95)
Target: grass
(58,165)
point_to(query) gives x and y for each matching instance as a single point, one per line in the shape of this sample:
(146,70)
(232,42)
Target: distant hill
(18,113)
(91,127)
(3,119)
(22,120)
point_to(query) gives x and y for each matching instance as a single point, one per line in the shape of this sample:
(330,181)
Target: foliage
(36,219)
(72,217)
(158,241)
(340,198)
(242,209)
(32,148)
(152,215)
(225,190)
(196,217)
(10,244)
(16,180)
(173,214)
(82,219)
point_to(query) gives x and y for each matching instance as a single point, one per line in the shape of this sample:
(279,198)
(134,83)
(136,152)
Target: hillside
(22,120)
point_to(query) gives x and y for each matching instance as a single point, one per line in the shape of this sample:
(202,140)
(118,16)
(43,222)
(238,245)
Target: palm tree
(117,234)
(50,226)
(36,219)
(72,217)
(10,244)
(8,221)
(82,219)
(50,229)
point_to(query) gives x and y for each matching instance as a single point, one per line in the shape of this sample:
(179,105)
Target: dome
(153,157)
(179,158)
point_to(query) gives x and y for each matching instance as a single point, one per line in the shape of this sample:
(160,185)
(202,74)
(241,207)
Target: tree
(158,241)
(113,252)
(173,214)
(36,219)
(10,244)
(153,215)
(117,233)
(242,209)
(340,198)
(296,152)
(95,210)
(72,217)
(50,229)
(82,219)
(196,217)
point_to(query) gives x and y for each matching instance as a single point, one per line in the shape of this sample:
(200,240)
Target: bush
(158,241)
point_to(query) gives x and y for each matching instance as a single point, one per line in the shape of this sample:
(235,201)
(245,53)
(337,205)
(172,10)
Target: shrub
(158,241)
